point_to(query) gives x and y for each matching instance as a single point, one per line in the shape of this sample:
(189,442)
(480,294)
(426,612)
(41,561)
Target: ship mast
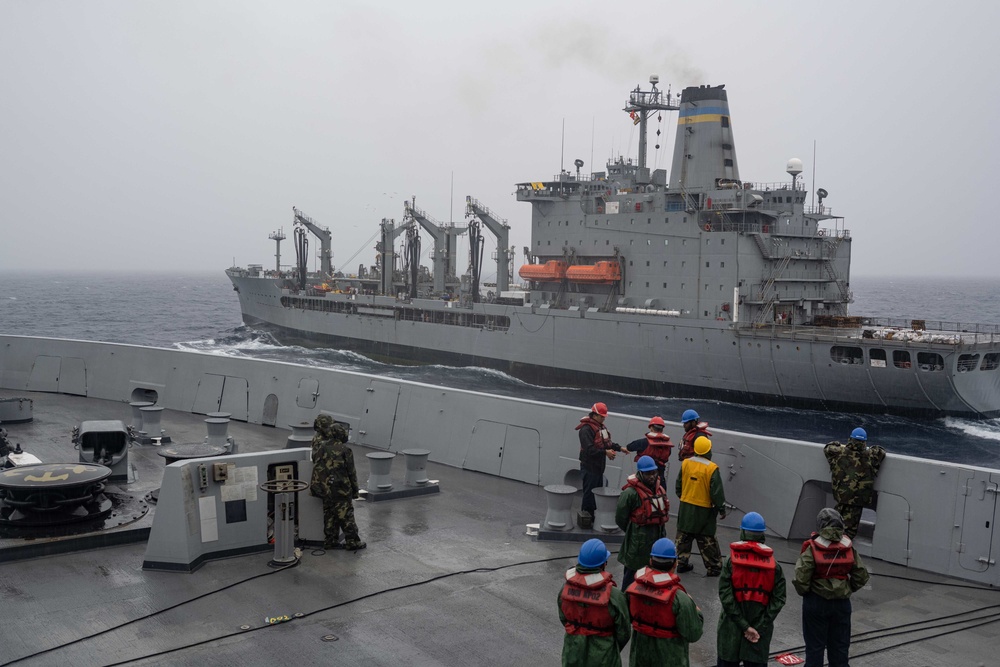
(642,104)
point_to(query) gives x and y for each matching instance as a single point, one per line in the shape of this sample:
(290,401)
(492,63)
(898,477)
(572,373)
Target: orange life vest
(753,571)
(585,602)
(834,560)
(687,442)
(651,603)
(654,506)
(658,448)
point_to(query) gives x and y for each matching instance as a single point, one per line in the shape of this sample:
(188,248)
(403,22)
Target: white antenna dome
(794,167)
(654,79)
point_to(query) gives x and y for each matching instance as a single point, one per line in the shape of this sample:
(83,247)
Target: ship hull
(651,356)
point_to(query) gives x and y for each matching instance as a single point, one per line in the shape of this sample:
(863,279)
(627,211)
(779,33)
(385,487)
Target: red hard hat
(600,409)
(657,421)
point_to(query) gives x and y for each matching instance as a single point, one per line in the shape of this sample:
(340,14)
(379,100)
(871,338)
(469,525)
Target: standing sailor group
(664,619)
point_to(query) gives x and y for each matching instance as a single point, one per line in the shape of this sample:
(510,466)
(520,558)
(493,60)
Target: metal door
(73,376)
(308,393)
(44,374)
(977,513)
(379,415)
(209,394)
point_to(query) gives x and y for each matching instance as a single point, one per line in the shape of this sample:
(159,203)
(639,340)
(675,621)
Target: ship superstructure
(695,283)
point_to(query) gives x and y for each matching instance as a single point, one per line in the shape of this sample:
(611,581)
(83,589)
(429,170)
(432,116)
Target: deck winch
(49,494)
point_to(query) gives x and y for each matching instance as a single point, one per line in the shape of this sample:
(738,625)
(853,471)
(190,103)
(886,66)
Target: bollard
(559,516)
(416,466)
(137,414)
(379,475)
(218,415)
(302,435)
(151,420)
(218,429)
(607,502)
(16,410)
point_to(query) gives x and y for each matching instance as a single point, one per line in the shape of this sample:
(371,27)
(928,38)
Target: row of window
(460,318)
(926,361)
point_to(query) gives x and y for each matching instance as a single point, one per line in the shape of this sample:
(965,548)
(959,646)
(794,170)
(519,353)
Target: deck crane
(387,255)
(325,241)
(445,241)
(501,230)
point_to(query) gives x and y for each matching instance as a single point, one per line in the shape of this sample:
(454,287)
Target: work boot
(335,545)
(684,567)
(713,573)
(355,547)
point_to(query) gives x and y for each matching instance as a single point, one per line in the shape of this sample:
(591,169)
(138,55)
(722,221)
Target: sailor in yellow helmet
(699,486)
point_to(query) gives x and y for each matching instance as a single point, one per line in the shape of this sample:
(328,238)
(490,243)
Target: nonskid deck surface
(424,592)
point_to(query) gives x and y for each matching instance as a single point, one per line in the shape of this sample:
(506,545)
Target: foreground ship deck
(447,579)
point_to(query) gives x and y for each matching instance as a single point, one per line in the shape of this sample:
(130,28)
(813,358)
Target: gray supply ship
(695,283)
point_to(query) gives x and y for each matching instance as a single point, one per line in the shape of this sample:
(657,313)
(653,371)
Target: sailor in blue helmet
(593,611)
(751,592)
(853,469)
(693,429)
(643,509)
(664,617)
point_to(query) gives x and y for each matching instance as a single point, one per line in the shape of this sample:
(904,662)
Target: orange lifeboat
(601,272)
(551,271)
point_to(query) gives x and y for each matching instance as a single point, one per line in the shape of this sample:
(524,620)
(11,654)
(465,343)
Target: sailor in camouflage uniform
(853,468)
(335,480)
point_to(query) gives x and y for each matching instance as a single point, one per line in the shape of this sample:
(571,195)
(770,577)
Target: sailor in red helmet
(595,449)
(693,429)
(752,592)
(593,611)
(643,509)
(827,572)
(656,445)
(664,617)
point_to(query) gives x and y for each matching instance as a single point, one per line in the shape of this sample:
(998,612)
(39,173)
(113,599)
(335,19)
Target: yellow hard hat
(702,445)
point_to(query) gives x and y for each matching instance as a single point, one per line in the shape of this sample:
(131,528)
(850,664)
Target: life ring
(708,228)
(822,232)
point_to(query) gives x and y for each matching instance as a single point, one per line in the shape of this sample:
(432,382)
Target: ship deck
(447,579)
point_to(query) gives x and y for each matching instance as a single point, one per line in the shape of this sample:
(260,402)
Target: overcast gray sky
(177,135)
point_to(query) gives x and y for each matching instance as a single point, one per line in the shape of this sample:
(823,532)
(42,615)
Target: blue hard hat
(689,415)
(593,553)
(646,463)
(664,548)
(859,434)
(753,522)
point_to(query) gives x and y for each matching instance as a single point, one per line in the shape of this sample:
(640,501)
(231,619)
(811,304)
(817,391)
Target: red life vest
(651,603)
(584,601)
(753,571)
(654,506)
(602,436)
(687,442)
(834,560)
(658,448)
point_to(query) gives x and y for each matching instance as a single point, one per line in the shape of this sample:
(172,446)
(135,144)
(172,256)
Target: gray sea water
(200,312)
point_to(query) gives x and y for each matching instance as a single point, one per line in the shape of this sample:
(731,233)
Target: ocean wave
(986,429)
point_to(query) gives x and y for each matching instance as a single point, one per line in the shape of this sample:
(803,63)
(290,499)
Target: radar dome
(794,166)
(654,79)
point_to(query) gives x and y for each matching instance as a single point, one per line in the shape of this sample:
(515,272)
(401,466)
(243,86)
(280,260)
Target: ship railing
(771,187)
(875,328)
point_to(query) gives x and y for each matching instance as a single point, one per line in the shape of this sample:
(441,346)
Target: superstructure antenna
(643,103)
(562,147)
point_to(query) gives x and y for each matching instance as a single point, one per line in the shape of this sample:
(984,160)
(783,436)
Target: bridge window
(876,358)
(990,362)
(900,358)
(725,121)
(847,355)
(967,362)
(930,361)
